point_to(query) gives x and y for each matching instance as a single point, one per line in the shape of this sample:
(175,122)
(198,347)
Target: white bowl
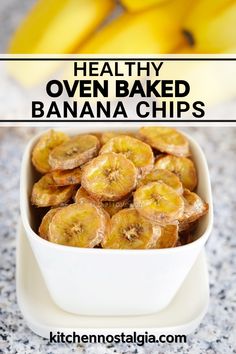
(107,282)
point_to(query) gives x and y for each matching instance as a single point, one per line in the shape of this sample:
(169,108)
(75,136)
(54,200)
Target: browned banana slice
(169,237)
(187,236)
(135,150)
(75,152)
(67,177)
(164,176)
(79,225)
(109,177)
(165,139)
(110,207)
(181,166)
(47,142)
(44,226)
(81,193)
(158,202)
(105,137)
(45,193)
(194,209)
(129,230)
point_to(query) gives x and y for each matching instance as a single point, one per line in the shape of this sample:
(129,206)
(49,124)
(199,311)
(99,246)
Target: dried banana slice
(79,225)
(67,177)
(43,148)
(82,193)
(169,237)
(75,152)
(165,139)
(109,177)
(194,209)
(159,203)
(44,226)
(164,176)
(105,137)
(110,207)
(186,236)
(135,150)
(129,230)
(45,193)
(113,207)
(183,167)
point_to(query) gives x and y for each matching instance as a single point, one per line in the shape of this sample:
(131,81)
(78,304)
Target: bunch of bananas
(150,26)
(113,190)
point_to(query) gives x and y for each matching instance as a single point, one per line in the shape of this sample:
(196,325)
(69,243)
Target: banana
(210,26)
(67,177)
(53,27)
(58,27)
(183,167)
(169,237)
(105,137)
(79,225)
(109,176)
(45,193)
(157,30)
(47,142)
(129,230)
(140,5)
(159,203)
(74,153)
(133,149)
(166,140)
(164,176)
(194,209)
(44,226)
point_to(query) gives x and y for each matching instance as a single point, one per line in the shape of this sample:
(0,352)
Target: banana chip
(82,193)
(165,176)
(74,153)
(111,207)
(133,149)
(105,137)
(166,140)
(194,209)
(67,177)
(169,237)
(159,203)
(43,148)
(79,225)
(109,177)
(129,230)
(45,193)
(44,226)
(183,167)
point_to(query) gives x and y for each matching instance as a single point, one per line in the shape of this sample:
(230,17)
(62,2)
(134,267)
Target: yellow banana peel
(157,30)
(211,26)
(138,5)
(57,26)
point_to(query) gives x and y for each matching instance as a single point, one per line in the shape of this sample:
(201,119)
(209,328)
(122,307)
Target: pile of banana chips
(117,190)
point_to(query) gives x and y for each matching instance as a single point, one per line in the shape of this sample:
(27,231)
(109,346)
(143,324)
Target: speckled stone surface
(217,332)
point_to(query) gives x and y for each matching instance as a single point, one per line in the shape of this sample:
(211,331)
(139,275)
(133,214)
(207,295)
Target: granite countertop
(217,332)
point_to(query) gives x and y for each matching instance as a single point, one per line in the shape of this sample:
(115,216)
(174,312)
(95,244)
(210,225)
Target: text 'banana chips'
(114,190)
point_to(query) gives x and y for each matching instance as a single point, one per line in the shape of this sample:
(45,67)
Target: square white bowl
(103,282)
(182,316)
